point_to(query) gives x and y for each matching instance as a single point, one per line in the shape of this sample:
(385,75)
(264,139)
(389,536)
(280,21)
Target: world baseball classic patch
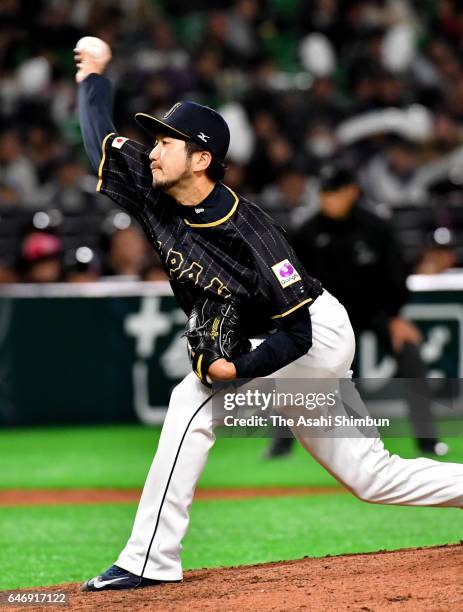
(118,142)
(286,273)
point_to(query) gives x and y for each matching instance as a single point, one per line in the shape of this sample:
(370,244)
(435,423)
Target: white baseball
(95,47)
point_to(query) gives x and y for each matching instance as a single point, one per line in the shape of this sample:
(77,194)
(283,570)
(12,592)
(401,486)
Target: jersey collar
(214,210)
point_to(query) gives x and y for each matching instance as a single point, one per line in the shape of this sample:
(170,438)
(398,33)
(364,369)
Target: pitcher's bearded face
(170,163)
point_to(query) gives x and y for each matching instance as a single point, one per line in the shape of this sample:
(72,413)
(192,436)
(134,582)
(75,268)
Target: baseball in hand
(95,47)
(91,54)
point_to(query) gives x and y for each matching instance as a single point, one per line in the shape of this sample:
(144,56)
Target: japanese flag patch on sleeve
(286,273)
(118,142)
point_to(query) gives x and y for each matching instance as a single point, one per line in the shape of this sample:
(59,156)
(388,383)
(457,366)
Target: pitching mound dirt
(419,579)
(43,497)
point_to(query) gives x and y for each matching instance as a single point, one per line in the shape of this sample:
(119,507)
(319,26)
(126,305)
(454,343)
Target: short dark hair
(216,169)
(333,178)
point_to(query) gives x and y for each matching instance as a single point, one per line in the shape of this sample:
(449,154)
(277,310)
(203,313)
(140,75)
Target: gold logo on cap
(171,110)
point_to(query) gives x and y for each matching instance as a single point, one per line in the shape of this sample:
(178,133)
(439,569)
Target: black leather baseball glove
(213,332)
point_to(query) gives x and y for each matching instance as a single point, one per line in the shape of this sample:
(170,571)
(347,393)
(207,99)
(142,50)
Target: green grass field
(119,456)
(51,544)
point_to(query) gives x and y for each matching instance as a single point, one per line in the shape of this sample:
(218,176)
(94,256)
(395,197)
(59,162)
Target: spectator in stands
(323,16)
(272,152)
(43,148)
(216,36)
(440,254)
(159,50)
(152,269)
(292,199)
(322,104)
(436,68)
(363,91)
(454,99)
(41,258)
(127,252)
(204,74)
(8,271)
(248,52)
(397,176)
(391,91)
(391,177)
(355,255)
(16,169)
(81,265)
(436,260)
(235,177)
(9,194)
(69,190)
(449,20)
(244,20)
(320,146)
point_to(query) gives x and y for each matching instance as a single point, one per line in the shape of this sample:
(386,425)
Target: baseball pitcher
(236,277)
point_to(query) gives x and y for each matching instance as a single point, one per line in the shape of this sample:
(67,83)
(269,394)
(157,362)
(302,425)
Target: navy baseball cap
(191,121)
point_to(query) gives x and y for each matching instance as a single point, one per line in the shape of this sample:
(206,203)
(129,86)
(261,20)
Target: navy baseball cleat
(115,578)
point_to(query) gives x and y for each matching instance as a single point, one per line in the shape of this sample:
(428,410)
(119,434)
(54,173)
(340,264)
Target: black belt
(316,290)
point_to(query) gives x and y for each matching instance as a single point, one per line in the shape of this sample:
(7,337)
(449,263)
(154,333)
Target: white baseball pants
(362,465)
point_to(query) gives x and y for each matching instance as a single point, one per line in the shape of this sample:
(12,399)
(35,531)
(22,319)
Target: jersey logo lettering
(118,142)
(217,285)
(174,260)
(286,273)
(178,269)
(193,272)
(202,136)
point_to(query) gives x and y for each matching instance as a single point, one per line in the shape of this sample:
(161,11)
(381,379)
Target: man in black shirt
(356,256)
(214,243)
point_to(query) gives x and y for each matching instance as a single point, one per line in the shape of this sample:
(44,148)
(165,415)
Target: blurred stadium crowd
(373,85)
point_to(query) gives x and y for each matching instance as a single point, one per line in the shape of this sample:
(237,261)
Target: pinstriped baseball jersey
(225,246)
